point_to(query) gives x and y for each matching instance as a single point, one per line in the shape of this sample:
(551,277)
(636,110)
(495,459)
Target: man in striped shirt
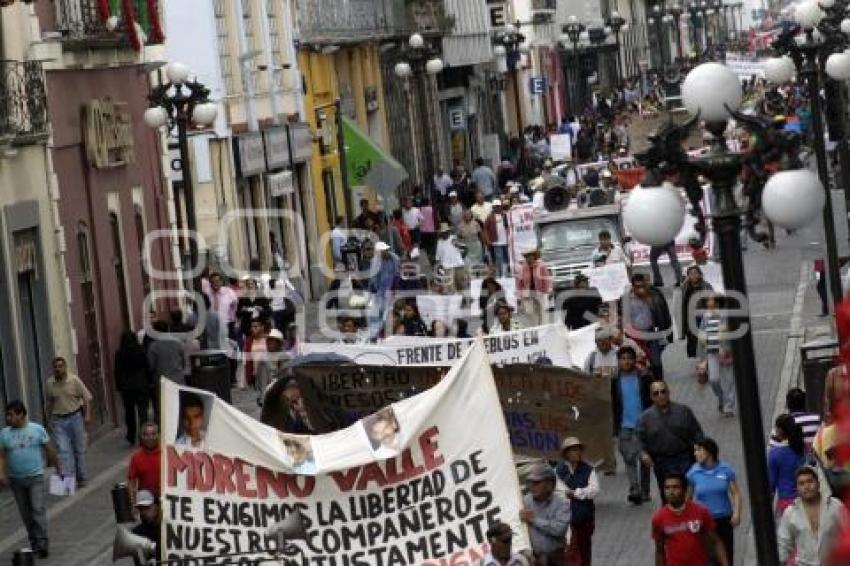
(795,401)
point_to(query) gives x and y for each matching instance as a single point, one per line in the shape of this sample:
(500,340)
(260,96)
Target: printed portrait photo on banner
(383,433)
(299,454)
(193,420)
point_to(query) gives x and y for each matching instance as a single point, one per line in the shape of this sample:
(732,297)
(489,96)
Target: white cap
(382,246)
(453,194)
(514,190)
(144,498)
(275,334)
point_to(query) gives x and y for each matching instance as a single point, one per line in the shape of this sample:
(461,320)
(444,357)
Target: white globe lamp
(434,66)
(654,215)
(500,51)
(402,70)
(572,19)
(845,26)
(793,199)
(808,14)
(416,41)
(776,70)
(177,73)
(838,66)
(204,113)
(584,36)
(826,3)
(709,89)
(156,117)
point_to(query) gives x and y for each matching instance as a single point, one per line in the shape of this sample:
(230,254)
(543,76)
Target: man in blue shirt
(24,449)
(629,398)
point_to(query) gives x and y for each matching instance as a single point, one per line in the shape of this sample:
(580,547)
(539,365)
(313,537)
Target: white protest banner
(521,232)
(508,288)
(410,484)
(610,280)
(526,346)
(560,147)
(438,307)
(582,343)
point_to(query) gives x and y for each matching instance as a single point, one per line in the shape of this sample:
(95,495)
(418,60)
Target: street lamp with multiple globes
(179,104)
(807,54)
(509,43)
(653,215)
(419,59)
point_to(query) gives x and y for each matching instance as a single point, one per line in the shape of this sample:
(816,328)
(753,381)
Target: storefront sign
(277,148)
(537,85)
(250,155)
(280,183)
(108,133)
(301,138)
(498,13)
(457,118)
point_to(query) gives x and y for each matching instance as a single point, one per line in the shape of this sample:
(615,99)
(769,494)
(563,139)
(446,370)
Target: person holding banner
(496,234)
(505,321)
(547,515)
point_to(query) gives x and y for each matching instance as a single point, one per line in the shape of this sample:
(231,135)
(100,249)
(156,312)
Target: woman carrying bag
(716,356)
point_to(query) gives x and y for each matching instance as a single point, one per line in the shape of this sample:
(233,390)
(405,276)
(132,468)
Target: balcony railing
(23,101)
(80,21)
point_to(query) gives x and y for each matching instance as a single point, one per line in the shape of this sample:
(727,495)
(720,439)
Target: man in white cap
(547,515)
(496,236)
(582,487)
(481,209)
(448,256)
(271,367)
(150,519)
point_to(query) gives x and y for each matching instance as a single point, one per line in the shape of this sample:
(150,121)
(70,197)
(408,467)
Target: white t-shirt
(481,211)
(412,217)
(448,255)
(596,360)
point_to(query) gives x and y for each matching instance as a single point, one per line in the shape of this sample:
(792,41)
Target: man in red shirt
(144,471)
(684,530)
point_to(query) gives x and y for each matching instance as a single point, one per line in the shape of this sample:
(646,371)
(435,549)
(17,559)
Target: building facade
(251,171)
(104,176)
(35,322)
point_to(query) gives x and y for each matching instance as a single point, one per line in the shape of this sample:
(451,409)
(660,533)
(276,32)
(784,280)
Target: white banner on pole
(410,484)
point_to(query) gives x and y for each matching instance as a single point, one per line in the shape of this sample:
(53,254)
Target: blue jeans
(502,260)
(70,435)
(30,497)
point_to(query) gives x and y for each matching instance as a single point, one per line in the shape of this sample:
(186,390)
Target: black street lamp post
(511,39)
(675,17)
(616,23)
(420,59)
(179,104)
(809,57)
(573,30)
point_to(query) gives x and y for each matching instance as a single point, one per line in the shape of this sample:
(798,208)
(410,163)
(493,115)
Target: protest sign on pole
(611,280)
(542,405)
(552,342)
(521,234)
(411,484)
(560,147)
(439,307)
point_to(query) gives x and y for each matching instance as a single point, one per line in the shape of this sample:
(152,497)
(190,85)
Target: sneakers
(635,499)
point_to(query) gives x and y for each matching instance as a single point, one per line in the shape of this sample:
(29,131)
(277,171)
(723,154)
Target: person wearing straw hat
(582,486)
(448,256)
(534,284)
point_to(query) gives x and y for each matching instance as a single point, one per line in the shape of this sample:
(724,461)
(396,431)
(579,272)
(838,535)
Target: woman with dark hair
(713,483)
(491,291)
(783,459)
(134,382)
(413,325)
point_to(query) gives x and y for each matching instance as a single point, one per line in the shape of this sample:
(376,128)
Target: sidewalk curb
(790,371)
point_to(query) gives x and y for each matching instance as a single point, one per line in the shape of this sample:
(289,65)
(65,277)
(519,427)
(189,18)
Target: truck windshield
(575,234)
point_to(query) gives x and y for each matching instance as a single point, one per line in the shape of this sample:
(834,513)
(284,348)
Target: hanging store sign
(457,118)
(498,13)
(277,148)
(537,85)
(108,133)
(250,155)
